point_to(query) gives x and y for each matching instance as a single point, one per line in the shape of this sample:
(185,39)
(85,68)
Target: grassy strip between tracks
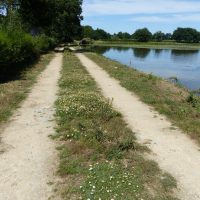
(99,155)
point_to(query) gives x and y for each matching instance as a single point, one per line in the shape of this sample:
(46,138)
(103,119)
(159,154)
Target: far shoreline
(153,45)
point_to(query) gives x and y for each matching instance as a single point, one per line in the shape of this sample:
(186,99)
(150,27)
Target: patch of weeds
(110,181)
(114,153)
(127,145)
(68,165)
(168,181)
(194,100)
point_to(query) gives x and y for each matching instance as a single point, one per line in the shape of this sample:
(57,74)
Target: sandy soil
(175,152)
(28,157)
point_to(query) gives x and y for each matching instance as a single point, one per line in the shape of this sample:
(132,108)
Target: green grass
(175,102)
(99,155)
(157,45)
(13,92)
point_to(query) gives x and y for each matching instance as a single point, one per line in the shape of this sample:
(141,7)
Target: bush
(44,43)
(17,49)
(86,41)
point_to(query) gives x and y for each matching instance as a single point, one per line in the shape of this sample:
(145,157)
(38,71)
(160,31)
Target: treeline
(31,27)
(187,35)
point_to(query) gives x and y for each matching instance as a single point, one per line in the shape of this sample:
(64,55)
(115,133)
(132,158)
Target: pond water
(166,63)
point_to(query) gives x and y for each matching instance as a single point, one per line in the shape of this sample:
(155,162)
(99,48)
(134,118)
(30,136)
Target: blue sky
(129,15)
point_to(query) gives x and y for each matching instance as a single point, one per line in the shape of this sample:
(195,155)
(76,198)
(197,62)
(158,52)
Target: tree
(100,34)
(35,14)
(66,23)
(186,35)
(168,36)
(88,32)
(142,35)
(6,6)
(159,36)
(57,18)
(123,35)
(8,13)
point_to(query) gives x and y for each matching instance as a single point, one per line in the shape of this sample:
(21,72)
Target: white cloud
(127,7)
(173,18)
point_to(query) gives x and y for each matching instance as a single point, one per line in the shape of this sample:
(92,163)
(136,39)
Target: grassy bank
(99,156)
(156,45)
(13,92)
(180,106)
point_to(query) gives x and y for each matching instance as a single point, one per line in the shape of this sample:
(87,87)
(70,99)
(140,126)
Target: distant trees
(168,36)
(142,35)
(159,36)
(122,36)
(88,32)
(98,34)
(189,35)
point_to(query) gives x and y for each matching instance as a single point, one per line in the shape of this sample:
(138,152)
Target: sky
(129,15)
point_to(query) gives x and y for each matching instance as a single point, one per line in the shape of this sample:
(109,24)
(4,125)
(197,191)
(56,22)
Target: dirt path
(173,150)
(27,155)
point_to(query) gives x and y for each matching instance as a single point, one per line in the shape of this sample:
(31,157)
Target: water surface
(166,63)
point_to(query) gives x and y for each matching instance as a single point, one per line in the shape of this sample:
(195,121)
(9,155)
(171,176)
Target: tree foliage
(88,32)
(57,18)
(189,35)
(142,35)
(122,36)
(159,36)
(8,5)
(31,27)
(98,34)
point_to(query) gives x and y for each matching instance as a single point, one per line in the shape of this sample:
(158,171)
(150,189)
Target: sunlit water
(185,65)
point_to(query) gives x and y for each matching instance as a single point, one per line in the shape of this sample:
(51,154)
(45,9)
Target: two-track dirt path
(174,151)
(28,157)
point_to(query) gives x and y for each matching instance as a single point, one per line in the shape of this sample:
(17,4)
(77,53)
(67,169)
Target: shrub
(86,41)
(44,43)
(17,49)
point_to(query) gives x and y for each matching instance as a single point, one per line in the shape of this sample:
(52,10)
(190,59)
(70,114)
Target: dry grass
(13,92)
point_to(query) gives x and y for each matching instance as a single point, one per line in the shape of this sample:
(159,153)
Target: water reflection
(185,65)
(184,56)
(120,49)
(101,50)
(157,52)
(140,52)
